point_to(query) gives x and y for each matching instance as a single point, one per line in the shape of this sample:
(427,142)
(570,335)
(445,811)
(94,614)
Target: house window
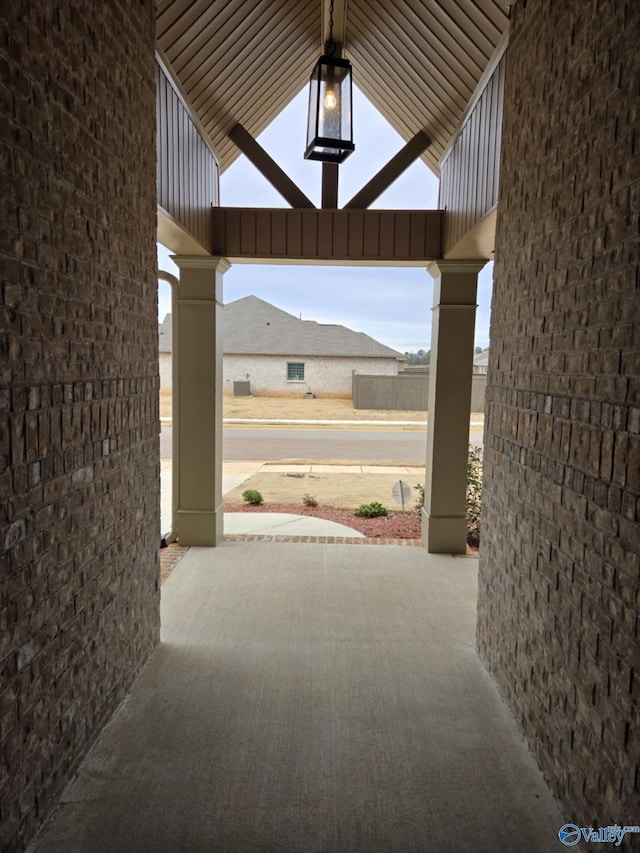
(295,371)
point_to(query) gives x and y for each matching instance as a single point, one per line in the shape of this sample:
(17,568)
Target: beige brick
(70,588)
(570,603)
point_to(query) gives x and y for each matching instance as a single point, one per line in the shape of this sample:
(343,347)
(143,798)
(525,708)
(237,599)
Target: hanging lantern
(330,122)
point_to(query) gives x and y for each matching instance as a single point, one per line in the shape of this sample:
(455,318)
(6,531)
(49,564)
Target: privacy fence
(405,392)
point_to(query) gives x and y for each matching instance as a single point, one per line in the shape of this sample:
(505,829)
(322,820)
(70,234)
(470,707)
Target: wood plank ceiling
(418,61)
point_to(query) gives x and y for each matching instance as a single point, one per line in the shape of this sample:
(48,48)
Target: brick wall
(326,377)
(559,592)
(79,508)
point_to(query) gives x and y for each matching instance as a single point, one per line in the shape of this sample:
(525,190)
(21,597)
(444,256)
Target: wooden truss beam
(388,174)
(268,167)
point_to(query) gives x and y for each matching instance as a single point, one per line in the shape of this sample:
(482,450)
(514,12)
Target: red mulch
(396,525)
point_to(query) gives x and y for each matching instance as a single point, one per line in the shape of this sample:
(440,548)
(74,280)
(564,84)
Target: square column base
(444,535)
(202,528)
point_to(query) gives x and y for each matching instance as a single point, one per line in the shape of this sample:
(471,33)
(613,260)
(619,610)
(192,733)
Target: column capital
(442,267)
(201,262)
(163,275)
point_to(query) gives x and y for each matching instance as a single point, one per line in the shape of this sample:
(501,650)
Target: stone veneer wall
(79,457)
(558,621)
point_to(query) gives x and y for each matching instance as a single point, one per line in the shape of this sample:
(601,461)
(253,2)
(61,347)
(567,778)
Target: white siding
(165,361)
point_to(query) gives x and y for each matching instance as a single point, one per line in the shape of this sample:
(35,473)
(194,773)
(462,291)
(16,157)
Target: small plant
(420,499)
(310,500)
(252,496)
(370,510)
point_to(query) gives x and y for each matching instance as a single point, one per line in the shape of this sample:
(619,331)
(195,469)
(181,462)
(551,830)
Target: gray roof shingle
(255,327)
(252,325)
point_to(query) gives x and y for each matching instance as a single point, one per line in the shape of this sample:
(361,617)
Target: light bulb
(330,100)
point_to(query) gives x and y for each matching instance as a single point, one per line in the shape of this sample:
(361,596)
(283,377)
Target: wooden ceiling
(242,61)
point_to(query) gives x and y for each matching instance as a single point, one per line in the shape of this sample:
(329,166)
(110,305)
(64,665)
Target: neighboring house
(165,349)
(281,355)
(481,362)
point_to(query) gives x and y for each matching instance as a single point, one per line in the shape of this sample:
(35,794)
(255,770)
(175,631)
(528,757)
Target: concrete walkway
(311,699)
(284,524)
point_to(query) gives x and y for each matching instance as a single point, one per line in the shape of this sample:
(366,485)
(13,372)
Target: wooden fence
(405,392)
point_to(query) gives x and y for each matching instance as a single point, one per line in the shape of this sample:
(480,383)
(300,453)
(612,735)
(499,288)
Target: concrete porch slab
(311,699)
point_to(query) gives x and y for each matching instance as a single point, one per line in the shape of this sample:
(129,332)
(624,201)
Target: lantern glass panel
(329,123)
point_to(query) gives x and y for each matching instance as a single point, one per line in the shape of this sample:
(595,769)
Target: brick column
(198,399)
(444,527)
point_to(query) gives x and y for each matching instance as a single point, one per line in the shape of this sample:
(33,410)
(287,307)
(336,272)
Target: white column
(444,528)
(197,416)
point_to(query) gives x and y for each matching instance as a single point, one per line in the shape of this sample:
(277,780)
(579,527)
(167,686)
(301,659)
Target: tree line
(423,357)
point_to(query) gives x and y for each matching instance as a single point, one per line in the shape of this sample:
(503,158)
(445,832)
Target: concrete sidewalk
(311,699)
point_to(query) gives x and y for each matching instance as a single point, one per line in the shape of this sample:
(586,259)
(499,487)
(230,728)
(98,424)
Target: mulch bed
(396,525)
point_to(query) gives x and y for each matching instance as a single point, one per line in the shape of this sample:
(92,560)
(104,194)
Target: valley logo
(570,834)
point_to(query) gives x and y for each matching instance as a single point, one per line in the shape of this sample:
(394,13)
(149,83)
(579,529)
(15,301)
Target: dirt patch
(315,409)
(343,491)
(294,408)
(298,409)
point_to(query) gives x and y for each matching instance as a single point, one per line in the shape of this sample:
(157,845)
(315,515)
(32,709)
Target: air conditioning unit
(242,389)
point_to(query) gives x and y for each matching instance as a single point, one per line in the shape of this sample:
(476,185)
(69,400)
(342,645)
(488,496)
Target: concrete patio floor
(311,698)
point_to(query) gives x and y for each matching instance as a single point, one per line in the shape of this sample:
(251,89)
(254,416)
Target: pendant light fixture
(330,119)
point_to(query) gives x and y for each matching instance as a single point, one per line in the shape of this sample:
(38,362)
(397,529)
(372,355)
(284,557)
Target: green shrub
(474,494)
(310,500)
(252,496)
(371,510)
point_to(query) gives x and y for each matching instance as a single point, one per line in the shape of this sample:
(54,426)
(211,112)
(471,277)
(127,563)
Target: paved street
(327,443)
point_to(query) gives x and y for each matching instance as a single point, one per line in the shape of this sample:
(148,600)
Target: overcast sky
(393,305)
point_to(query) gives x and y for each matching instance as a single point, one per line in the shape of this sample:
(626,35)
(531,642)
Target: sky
(392,305)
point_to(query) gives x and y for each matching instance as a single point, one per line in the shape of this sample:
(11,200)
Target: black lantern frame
(330,117)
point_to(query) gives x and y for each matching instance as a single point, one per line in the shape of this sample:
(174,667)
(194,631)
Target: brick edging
(322,540)
(169,557)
